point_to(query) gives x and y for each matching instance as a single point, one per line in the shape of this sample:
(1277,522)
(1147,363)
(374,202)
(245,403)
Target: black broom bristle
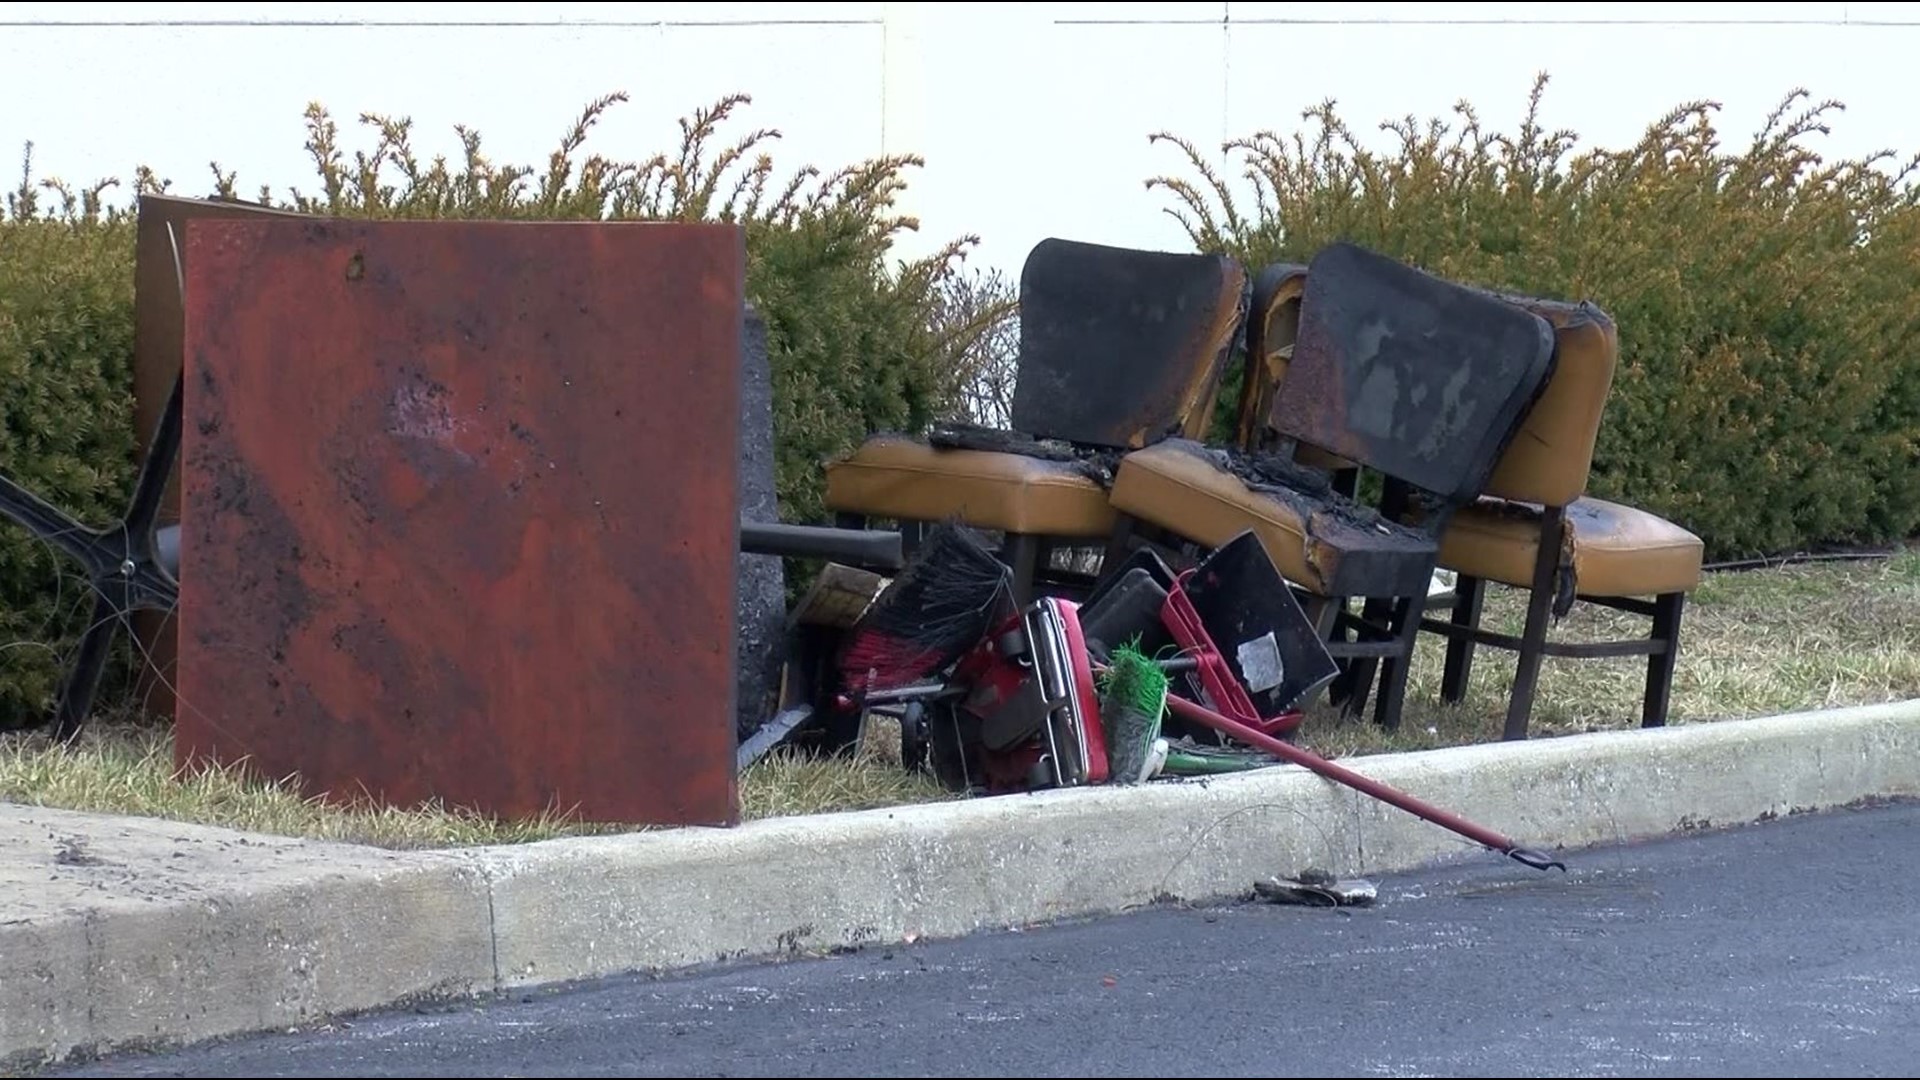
(940,605)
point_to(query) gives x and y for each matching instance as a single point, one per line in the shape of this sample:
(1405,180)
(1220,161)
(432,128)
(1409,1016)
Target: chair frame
(1387,629)
(1030,555)
(1463,632)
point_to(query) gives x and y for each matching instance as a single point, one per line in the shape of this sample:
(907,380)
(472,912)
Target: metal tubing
(166,549)
(865,547)
(1486,837)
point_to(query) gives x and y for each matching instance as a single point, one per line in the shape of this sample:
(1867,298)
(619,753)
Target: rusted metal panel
(1416,377)
(157,317)
(460,512)
(1120,347)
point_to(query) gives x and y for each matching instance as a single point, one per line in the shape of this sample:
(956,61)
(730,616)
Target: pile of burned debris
(1156,674)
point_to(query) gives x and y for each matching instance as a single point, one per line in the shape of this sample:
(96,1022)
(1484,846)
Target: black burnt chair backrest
(1122,347)
(1418,378)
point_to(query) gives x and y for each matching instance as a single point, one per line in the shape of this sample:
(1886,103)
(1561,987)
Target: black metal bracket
(123,562)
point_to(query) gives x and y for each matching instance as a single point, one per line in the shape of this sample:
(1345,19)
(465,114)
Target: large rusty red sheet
(157,317)
(460,514)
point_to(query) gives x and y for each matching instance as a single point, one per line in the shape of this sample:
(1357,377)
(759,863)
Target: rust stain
(463,527)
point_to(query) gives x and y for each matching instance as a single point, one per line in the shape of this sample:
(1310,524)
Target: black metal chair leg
(89,663)
(1667,611)
(1022,553)
(1335,633)
(1526,678)
(1533,639)
(1119,545)
(1361,670)
(1469,595)
(912,535)
(1396,669)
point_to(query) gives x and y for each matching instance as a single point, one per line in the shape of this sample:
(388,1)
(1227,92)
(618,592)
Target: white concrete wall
(1034,117)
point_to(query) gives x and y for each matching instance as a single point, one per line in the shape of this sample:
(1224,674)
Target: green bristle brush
(1133,698)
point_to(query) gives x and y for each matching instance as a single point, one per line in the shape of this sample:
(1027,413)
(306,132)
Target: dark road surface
(1785,949)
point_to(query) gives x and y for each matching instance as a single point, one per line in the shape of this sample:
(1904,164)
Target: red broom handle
(1200,714)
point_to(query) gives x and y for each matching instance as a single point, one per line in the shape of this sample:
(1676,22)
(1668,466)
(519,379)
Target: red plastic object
(1222,688)
(1479,834)
(994,680)
(460,514)
(1093,728)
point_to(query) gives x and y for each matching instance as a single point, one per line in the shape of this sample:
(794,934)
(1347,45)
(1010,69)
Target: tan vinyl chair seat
(1616,550)
(906,479)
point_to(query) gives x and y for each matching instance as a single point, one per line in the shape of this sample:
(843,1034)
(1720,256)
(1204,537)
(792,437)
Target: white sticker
(1260,663)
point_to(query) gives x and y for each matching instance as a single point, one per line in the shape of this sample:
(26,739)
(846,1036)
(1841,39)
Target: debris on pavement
(1316,888)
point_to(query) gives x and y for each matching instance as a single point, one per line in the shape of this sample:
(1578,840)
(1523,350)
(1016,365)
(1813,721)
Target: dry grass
(1754,643)
(783,784)
(123,769)
(126,769)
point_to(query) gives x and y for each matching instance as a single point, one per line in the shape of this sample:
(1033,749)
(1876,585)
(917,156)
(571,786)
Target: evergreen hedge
(1768,299)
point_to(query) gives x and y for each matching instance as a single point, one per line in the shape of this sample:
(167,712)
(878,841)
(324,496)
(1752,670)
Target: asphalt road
(1785,949)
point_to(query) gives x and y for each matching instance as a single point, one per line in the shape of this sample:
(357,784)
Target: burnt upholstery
(1119,348)
(1389,368)
(897,477)
(1325,545)
(1273,324)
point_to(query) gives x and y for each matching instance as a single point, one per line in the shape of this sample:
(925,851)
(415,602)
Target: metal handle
(862,547)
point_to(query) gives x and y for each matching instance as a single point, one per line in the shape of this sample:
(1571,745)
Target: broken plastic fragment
(1321,892)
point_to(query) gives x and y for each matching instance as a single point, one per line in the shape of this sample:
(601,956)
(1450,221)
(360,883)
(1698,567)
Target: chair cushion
(1613,550)
(1316,542)
(891,476)
(1550,458)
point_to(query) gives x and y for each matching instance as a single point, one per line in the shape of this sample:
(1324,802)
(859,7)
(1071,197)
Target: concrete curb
(339,929)
(121,932)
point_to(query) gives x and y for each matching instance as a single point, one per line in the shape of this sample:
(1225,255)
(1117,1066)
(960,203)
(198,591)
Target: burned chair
(1609,554)
(1119,348)
(1273,325)
(1537,530)
(1394,370)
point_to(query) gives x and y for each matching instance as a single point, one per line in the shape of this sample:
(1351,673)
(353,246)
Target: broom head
(1133,696)
(943,602)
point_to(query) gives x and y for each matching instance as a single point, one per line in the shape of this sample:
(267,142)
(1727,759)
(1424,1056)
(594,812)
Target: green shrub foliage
(1768,300)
